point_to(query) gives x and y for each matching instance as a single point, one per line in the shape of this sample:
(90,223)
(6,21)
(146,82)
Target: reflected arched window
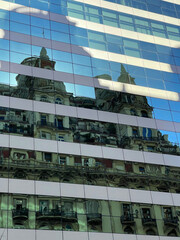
(150,232)
(68,227)
(43,99)
(172,233)
(128,230)
(19,225)
(144,114)
(44,226)
(20,174)
(59,101)
(66,180)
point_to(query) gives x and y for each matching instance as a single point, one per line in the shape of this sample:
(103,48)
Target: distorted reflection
(72,214)
(92,215)
(61,128)
(104,16)
(85,96)
(89,66)
(47,166)
(23,211)
(71,129)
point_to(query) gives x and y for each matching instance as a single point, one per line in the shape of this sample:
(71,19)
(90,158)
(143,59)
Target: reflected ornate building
(43,212)
(70,129)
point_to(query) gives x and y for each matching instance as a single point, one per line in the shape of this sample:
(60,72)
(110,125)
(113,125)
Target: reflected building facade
(87,156)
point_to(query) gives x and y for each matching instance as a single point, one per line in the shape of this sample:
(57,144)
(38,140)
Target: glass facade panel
(77,214)
(129,48)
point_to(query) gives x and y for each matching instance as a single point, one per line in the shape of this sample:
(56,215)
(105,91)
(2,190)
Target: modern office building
(89,119)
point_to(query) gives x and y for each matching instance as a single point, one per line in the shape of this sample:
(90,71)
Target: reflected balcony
(25,163)
(20,213)
(128,220)
(45,124)
(69,216)
(148,221)
(172,222)
(55,213)
(49,214)
(94,218)
(173,149)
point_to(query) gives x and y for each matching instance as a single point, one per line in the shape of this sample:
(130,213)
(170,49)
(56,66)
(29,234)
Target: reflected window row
(139,4)
(109,17)
(157,6)
(47,166)
(70,129)
(72,214)
(46,90)
(88,38)
(87,66)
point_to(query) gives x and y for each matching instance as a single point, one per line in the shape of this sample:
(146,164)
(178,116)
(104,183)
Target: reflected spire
(123,70)
(43,54)
(43,61)
(125,77)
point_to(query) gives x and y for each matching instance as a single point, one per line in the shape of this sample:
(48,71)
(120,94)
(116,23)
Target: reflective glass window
(4,14)
(155,83)
(64,67)
(59,36)
(43,5)
(18,27)
(40,32)
(59,27)
(18,57)
(82,70)
(4,80)
(62,56)
(19,17)
(20,47)
(162,114)
(4,44)
(97,45)
(160,103)
(149,55)
(76,14)
(100,63)
(172,86)
(78,40)
(4,24)
(79,59)
(85,91)
(78,31)
(40,22)
(4,55)
(176,118)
